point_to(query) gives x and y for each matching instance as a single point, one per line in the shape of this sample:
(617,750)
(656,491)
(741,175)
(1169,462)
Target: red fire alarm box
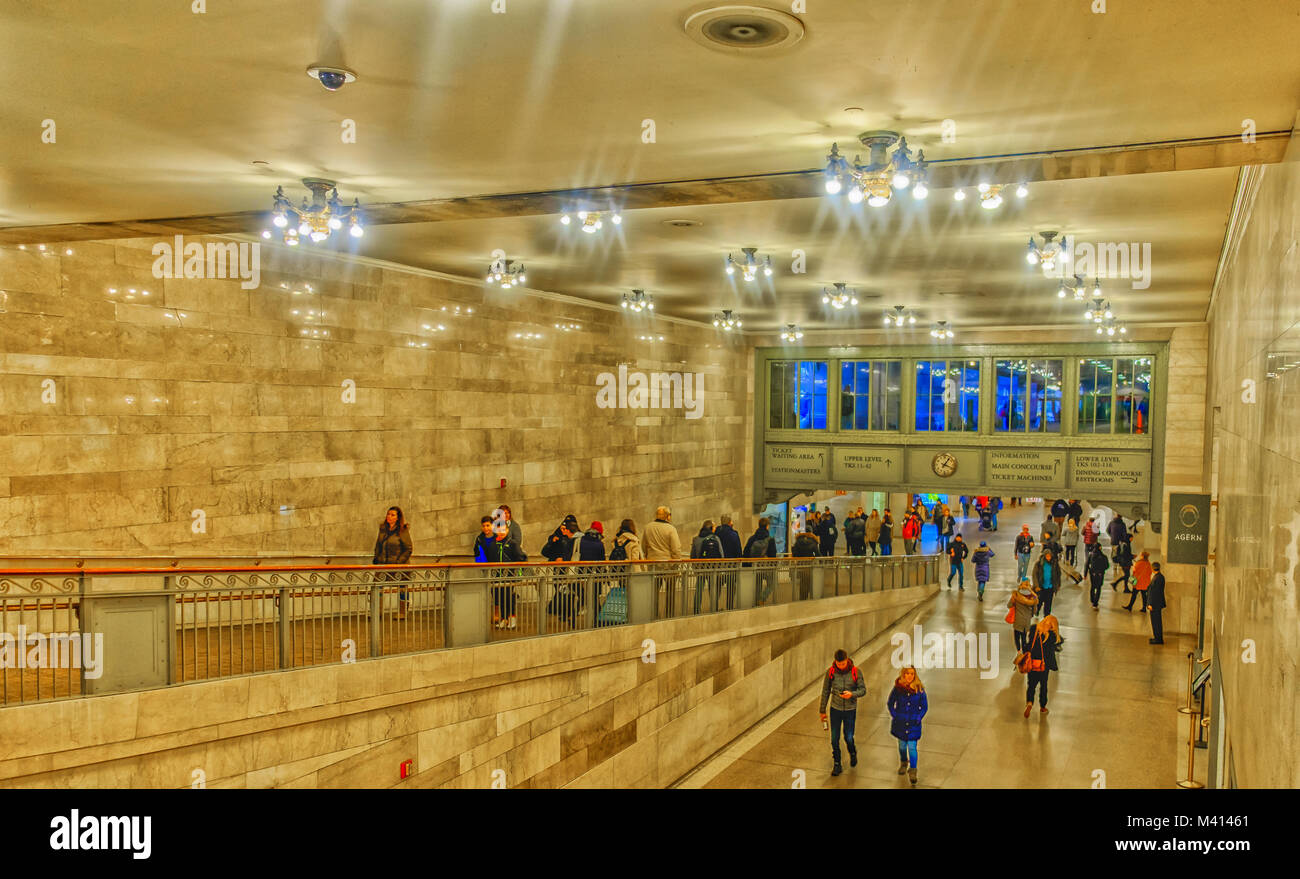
(406,768)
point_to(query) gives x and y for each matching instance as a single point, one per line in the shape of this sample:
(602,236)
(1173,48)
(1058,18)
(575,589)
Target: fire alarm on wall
(503,482)
(405,769)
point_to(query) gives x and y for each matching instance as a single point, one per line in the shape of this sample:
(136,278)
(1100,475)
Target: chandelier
(593,220)
(1110,326)
(899,316)
(1049,254)
(840,296)
(1079,289)
(941,330)
(638,301)
(506,273)
(791,333)
(877,180)
(1098,311)
(568,327)
(750,264)
(726,320)
(318,220)
(991,194)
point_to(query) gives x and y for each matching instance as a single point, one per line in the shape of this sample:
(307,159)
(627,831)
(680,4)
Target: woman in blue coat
(907,705)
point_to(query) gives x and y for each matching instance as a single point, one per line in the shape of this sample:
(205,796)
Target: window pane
(861,412)
(820,388)
(970,396)
(846,396)
(1095,395)
(894,388)
(923,395)
(791,416)
(1124,395)
(805,395)
(776,376)
(1142,367)
(1002,396)
(1048,412)
(864,377)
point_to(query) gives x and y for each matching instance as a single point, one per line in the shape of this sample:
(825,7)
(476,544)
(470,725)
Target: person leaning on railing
(393,546)
(762,545)
(806,546)
(503,551)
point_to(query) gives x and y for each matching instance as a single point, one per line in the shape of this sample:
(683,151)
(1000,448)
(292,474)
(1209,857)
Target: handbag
(1011,616)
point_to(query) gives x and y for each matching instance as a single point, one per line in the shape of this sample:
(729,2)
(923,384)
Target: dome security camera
(332,78)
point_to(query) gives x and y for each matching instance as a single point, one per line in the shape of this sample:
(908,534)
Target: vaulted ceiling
(161,112)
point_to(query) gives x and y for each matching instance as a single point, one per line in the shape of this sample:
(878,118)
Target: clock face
(944,464)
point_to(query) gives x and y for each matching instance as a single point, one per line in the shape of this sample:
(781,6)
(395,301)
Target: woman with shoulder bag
(393,547)
(1040,661)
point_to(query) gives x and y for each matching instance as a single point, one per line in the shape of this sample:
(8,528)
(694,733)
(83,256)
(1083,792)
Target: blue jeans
(907,751)
(995,520)
(1022,566)
(845,719)
(943,543)
(981,584)
(960,571)
(887,549)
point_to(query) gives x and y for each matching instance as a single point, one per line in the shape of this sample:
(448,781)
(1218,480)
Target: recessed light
(682,223)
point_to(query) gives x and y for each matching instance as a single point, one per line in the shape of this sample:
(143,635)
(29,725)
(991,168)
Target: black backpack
(710,547)
(757,549)
(619,552)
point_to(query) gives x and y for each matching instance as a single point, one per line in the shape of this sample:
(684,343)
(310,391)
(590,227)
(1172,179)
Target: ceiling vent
(747,29)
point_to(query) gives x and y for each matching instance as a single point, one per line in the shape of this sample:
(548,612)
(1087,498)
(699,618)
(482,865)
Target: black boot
(853,758)
(836,770)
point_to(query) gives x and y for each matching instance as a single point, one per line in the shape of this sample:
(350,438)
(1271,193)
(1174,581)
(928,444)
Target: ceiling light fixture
(1110,326)
(1079,288)
(638,301)
(593,221)
(791,333)
(567,327)
(750,264)
(506,273)
(899,316)
(1098,311)
(840,296)
(941,330)
(318,220)
(726,320)
(884,174)
(1051,252)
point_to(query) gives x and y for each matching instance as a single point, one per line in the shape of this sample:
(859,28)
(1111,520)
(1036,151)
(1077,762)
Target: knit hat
(984,543)
(598,528)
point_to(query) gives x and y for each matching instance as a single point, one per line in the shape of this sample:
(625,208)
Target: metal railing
(83,631)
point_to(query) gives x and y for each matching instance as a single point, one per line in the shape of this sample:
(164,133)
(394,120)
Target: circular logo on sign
(1189,515)
(944,464)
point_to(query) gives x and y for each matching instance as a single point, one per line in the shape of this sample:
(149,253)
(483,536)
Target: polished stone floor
(1113,705)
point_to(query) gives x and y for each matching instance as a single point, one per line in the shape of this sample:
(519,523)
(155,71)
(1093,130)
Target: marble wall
(593,709)
(121,414)
(1254,405)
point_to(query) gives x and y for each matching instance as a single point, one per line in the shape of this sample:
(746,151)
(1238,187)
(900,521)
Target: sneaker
(1154,641)
(1042,710)
(1144,610)
(511,623)
(836,770)
(1028,708)
(1094,607)
(981,596)
(853,758)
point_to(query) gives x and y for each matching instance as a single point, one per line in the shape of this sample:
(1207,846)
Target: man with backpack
(706,545)
(761,545)
(842,686)
(1095,568)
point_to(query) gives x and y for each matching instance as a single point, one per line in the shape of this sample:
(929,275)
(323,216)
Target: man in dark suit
(1156,595)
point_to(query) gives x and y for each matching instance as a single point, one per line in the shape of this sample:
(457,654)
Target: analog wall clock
(944,464)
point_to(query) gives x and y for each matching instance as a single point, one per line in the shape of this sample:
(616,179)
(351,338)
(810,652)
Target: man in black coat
(1075,511)
(726,533)
(828,533)
(1156,595)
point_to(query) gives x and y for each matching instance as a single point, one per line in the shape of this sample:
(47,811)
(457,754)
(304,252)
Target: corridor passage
(1113,705)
